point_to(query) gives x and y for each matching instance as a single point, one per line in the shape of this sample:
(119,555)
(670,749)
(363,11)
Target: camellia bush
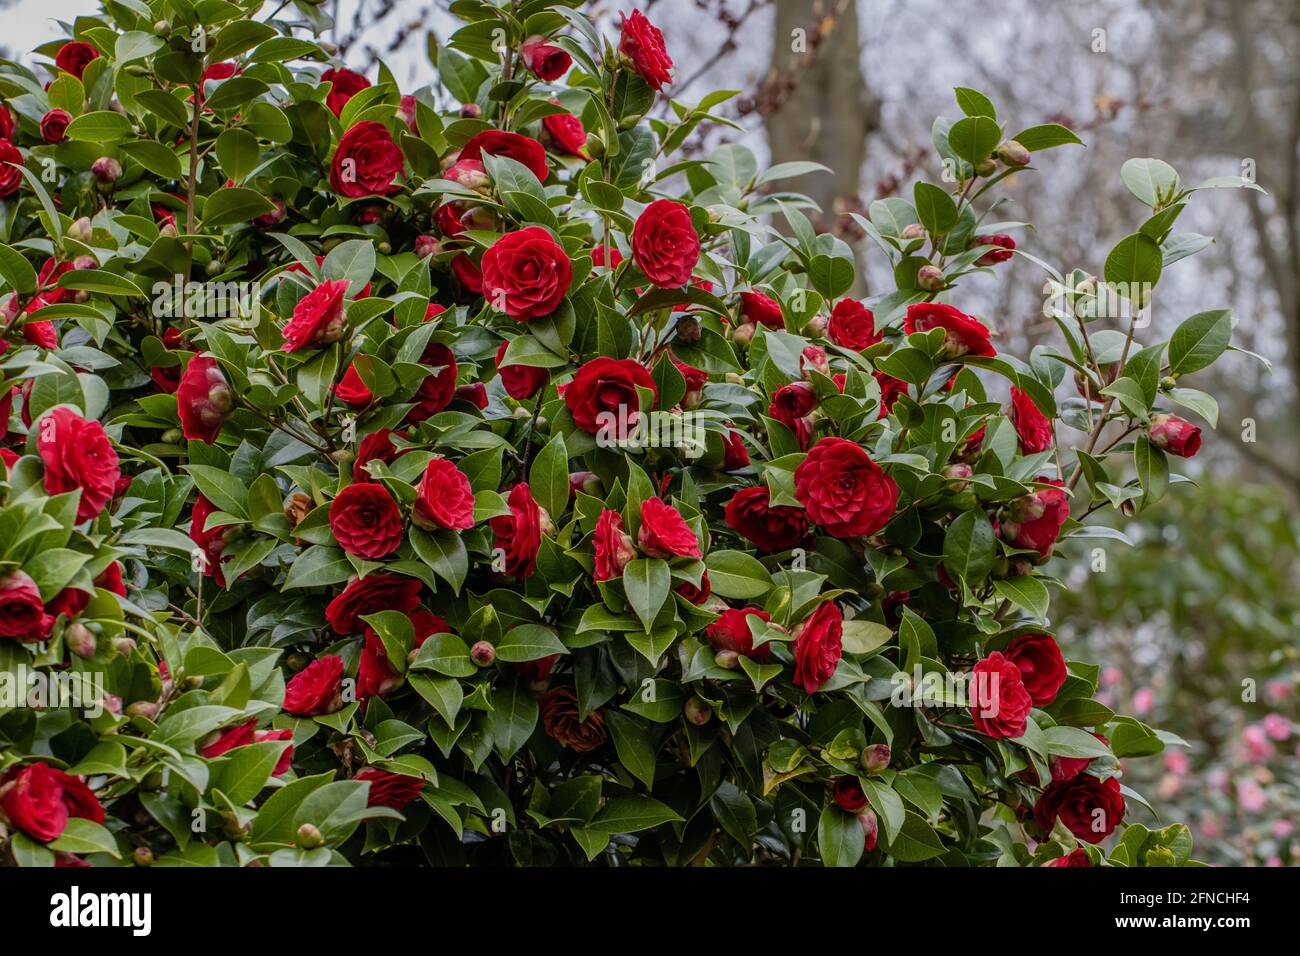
(461,477)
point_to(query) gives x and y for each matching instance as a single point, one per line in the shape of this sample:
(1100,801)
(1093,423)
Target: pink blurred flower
(1144,698)
(1211,827)
(1251,796)
(1217,779)
(1278,690)
(1256,741)
(1177,762)
(1277,726)
(1111,676)
(1282,829)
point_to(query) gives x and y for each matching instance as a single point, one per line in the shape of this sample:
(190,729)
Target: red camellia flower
(1033,427)
(614,546)
(603,395)
(366,162)
(241,735)
(665,245)
(6,122)
(730,632)
(315,689)
(769,528)
(890,389)
(516,146)
(526,274)
(1042,668)
(559,714)
(436,390)
(519,534)
(73,57)
(762,309)
(10,177)
(319,318)
(54,126)
(999,702)
(366,520)
(1000,251)
(344,84)
(388,789)
(72,601)
(1077,857)
(696,595)
(848,794)
(818,647)
(1175,435)
(380,591)
(643,43)
(38,799)
(853,326)
(375,674)
(351,390)
(210,541)
(843,490)
(377,445)
(1091,809)
(467,273)
(1066,768)
(566,134)
(22,612)
(444,498)
(203,399)
(792,406)
(735,454)
(77,455)
(598,256)
(963,335)
(545,59)
(664,532)
(521,382)
(1034,521)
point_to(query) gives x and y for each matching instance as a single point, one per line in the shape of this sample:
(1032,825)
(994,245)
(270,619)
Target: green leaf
(444,552)
(221,488)
(105,126)
(16,270)
(512,718)
(735,574)
(632,814)
(443,693)
(633,743)
(1152,470)
(242,773)
(85,836)
(1199,340)
(840,837)
(528,642)
(548,478)
(155,157)
(916,841)
(1133,267)
(319,566)
(1047,136)
(937,211)
(968,547)
(1152,180)
(647,582)
(975,103)
(974,138)
(1025,592)
(234,205)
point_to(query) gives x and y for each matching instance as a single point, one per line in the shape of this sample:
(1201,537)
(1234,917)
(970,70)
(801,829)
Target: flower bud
(958,475)
(143,708)
(143,856)
(426,245)
(297,506)
(744,334)
(697,711)
(595,146)
(870,830)
(544,522)
(1175,435)
(729,660)
(913,230)
(586,482)
(483,654)
(80,229)
(124,646)
(79,639)
(470,111)
(309,837)
(106,170)
(274,217)
(473,392)
(813,359)
(1012,153)
(986,167)
(875,758)
(930,278)
(162,27)
(471,174)
(816,326)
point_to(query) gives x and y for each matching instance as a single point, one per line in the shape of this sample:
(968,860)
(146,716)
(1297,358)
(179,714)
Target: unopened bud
(986,167)
(143,708)
(1012,153)
(470,111)
(958,475)
(80,229)
(80,640)
(586,482)
(309,837)
(870,830)
(875,758)
(913,230)
(426,245)
(816,326)
(483,654)
(697,711)
(729,660)
(744,334)
(124,646)
(106,169)
(930,278)
(143,856)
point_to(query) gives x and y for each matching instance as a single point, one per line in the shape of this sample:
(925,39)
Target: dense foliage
(460,477)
